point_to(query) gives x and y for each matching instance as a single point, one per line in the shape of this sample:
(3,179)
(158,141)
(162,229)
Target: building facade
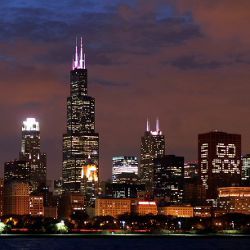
(219,156)
(80,141)
(123,190)
(245,175)
(36,205)
(16,171)
(112,207)
(124,169)
(168,178)
(16,198)
(177,211)
(31,153)
(146,207)
(152,146)
(234,199)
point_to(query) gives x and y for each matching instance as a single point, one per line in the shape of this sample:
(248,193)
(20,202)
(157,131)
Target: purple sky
(187,62)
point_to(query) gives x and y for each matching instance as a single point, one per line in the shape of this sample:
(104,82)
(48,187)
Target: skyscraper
(168,178)
(152,146)
(245,175)
(80,141)
(125,169)
(31,153)
(219,160)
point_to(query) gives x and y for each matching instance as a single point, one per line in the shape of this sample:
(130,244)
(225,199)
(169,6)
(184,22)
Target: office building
(191,170)
(80,140)
(219,160)
(71,202)
(112,207)
(168,178)
(16,171)
(245,174)
(177,211)
(31,153)
(125,169)
(152,146)
(123,190)
(36,205)
(16,198)
(146,207)
(89,185)
(234,199)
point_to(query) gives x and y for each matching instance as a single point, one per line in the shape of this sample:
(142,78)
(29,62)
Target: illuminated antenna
(148,125)
(157,125)
(81,56)
(76,56)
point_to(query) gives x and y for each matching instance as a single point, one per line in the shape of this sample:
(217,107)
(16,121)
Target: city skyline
(185,67)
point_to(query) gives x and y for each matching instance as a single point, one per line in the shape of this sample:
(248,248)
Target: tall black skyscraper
(152,146)
(219,161)
(80,142)
(168,178)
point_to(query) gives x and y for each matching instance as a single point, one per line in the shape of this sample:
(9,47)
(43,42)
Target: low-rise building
(202,211)
(36,205)
(234,199)
(50,212)
(16,198)
(112,207)
(146,207)
(177,211)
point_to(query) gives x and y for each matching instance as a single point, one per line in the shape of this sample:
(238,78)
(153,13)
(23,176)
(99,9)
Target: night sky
(186,62)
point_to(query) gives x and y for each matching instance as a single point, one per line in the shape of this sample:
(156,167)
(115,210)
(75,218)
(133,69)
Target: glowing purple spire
(157,125)
(76,56)
(148,125)
(81,57)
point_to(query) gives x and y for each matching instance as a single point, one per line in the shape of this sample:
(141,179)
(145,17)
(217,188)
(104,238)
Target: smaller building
(112,207)
(50,212)
(234,199)
(71,202)
(146,207)
(202,211)
(123,190)
(16,198)
(36,205)
(177,211)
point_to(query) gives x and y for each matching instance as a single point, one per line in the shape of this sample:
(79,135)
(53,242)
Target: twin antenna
(157,127)
(79,60)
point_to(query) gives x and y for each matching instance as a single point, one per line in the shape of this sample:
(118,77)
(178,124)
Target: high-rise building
(89,185)
(168,178)
(219,160)
(16,171)
(152,146)
(31,153)
(80,141)
(125,169)
(245,175)
(191,170)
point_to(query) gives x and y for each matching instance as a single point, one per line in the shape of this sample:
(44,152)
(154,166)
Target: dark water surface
(126,243)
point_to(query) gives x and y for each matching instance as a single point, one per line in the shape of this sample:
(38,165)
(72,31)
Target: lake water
(125,243)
